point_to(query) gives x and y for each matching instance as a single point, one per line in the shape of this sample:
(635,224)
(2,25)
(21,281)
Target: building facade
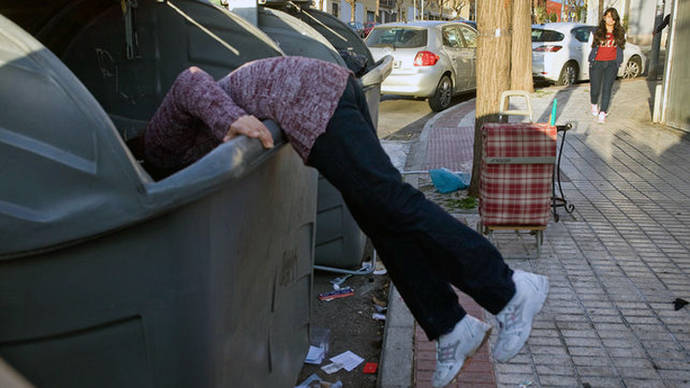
(385,11)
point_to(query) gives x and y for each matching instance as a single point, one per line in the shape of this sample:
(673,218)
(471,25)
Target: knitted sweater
(298,93)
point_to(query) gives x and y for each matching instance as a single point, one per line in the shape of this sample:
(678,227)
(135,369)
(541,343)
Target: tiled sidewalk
(615,265)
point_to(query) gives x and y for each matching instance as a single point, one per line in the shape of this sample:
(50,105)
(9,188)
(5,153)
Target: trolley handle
(566,127)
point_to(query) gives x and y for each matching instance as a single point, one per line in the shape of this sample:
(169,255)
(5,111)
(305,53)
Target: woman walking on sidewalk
(324,114)
(604,60)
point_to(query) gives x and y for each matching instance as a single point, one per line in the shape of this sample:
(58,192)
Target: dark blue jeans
(602,74)
(424,248)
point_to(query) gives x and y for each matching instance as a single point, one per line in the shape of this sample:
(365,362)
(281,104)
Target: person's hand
(252,127)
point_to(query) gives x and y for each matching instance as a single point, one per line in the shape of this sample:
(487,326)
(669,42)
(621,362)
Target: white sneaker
(454,348)
(595,110)
(602,117)
(515,320)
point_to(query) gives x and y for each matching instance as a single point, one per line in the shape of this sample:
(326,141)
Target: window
(470,37)
(451,37)
(371,16)
(539,35)
(403,37)
(334,9)
(582,34)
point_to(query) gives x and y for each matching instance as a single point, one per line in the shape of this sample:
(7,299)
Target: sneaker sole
(487,334)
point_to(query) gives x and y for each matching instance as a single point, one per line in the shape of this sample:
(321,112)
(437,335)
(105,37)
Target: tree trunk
(601,10)
(521,58)
(352,9)
(493,71)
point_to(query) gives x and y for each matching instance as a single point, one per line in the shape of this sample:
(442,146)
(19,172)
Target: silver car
(431,59)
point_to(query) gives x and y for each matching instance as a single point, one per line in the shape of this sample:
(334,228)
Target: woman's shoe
(595,110)
(602,117)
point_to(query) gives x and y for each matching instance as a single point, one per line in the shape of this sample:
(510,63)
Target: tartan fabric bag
(515,176)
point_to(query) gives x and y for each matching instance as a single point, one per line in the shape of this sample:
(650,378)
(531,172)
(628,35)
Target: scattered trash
(679,303)
(370,367)
(314,381)
(341,293)
(318,349)
(380,268)
(314,378)
(315,355)
(347,360)
(378,316)
(332,368)
(447,181)
(525,384)
(338,282)
(380,309)
(378,301)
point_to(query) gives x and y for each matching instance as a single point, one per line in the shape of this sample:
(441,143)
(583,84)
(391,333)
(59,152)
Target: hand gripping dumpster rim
(226,163)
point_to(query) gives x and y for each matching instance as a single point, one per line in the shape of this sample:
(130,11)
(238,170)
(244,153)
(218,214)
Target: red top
(607,49)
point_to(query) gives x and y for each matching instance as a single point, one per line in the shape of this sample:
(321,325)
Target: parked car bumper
(419,82)
(544,67)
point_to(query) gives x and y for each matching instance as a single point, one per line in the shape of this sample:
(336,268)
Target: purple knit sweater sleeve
(299,93)
(178,133)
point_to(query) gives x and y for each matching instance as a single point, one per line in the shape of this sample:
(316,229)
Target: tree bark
(352,9)
(493,71)
(521,58)
(601,10)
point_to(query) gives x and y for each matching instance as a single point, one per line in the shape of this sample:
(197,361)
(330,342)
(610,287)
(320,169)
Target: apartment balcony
(390,4)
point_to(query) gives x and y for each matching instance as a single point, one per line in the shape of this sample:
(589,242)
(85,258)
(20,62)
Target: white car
(560,53)
(431,59)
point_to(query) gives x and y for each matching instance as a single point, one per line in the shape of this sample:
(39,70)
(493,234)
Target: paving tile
(642,383)
(603,382)
(597,371)
(560,370)
(558,381)
(641,373)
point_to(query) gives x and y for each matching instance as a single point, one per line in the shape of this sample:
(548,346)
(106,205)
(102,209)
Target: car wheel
(442,96)
(633,68)
(568,74)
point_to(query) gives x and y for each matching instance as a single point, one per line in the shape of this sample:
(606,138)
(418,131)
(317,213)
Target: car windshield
(402,37)
(539,35)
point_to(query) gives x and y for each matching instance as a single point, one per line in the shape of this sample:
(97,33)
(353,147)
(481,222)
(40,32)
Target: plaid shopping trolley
(516,170)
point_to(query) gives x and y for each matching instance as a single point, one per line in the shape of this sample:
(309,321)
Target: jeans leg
(595,77)
(423,246)
(609,77)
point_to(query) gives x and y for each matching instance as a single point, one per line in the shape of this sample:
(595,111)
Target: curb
(418,151)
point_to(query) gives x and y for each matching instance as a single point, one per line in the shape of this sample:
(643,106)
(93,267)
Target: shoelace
(508,319)
(446,353)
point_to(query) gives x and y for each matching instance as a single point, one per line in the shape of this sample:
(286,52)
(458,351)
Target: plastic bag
(447,181)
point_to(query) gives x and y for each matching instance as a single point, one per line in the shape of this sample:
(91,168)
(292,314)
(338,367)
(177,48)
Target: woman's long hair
(618,32)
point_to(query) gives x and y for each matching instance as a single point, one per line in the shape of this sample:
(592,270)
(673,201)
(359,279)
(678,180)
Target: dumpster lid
(67,174)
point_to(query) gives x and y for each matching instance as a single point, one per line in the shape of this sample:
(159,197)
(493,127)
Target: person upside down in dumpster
(324,114)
